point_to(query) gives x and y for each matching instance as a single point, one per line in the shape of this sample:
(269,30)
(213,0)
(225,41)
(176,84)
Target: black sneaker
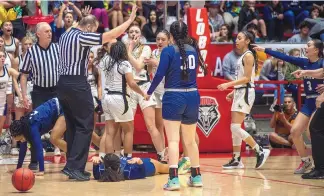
(314,174)
(234,164)
(261,157)
(161,159)
(33,166)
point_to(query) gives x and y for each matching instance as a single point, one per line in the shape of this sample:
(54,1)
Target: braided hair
(21,127)
(112,172)
(179,31)
(250,36)
(118,54)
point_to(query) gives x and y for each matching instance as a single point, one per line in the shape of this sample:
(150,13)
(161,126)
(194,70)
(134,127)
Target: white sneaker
(57,151)
(44,151)
(14,151)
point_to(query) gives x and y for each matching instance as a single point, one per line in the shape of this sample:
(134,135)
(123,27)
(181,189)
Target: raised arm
(317,73)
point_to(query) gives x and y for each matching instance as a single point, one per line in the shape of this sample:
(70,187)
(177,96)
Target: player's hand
(26,102)
(133,14)
(320,88)
(146,97)
(229,96)
(96,160)
(86,11)
(257,48)
(298,73)
(319,100)
(132,43)
(39,173)
(222,86)
(151,62)
(135,160)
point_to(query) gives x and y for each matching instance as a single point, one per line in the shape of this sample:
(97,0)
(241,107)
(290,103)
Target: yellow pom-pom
(12,15)
(3,13)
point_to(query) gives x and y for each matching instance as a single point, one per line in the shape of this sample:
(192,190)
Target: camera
(279,108)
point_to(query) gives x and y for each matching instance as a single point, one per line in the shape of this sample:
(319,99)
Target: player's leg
(159,124)
(160,168)
(118,142)
(58,133)
(298,127)
(110,129)
(128,129)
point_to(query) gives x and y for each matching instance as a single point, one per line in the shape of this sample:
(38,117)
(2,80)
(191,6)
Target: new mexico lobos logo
(208,114)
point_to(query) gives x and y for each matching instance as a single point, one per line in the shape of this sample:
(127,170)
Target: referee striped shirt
(74,49)
(43,64)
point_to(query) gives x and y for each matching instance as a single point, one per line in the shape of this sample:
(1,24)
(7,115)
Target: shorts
(243,102)
(114,109)
(309,107)
(181,106)
(136,98)
(158,98)
(20,103)
(3,109)
(149,167)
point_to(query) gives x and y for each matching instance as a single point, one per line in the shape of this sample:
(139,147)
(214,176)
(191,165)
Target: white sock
(173,166)
(256,148)
(161,153)
(305,159)
(187,158)
(236,155)
(129,155)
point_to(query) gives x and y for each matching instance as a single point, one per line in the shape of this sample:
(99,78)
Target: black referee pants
(40,95)
(75,97)
(317,135)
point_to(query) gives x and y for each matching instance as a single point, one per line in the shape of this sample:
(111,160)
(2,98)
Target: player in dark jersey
(178,64)
(314,60)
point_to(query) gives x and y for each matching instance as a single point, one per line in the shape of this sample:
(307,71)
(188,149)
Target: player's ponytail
(179,31)
(194,43)
(112,172)
(118,54)
(250,36)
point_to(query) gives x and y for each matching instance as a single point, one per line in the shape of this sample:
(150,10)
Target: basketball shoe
(195,181)
(184,166)
(303,167)
(261,156)
(172,185)
(234,164)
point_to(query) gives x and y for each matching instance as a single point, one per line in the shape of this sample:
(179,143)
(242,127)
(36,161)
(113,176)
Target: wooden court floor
(275,178)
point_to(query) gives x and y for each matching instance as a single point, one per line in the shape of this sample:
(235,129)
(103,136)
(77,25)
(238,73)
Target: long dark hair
(101,52)
(250,36)
(21,127)
(118,54)
(112,172)
(95,71)
(319,45)
(158,22)
(179,31)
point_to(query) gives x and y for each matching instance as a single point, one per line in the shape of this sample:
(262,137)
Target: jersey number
(33,113)
(309,85)
(191,62)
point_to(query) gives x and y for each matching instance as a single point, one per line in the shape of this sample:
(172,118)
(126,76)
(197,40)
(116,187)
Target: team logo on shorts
(208,114)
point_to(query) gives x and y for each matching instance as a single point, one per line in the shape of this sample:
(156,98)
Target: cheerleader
(243,97)
(179,63)
(137,52)
(11,43)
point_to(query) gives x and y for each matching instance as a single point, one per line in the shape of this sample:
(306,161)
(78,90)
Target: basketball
(23,179)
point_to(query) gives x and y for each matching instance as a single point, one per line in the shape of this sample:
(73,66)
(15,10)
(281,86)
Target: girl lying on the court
(115,169)
(32,126)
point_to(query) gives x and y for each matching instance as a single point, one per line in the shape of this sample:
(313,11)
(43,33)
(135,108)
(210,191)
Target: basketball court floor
(275,178)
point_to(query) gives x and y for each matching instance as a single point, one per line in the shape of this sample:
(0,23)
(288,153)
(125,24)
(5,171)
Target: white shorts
(114,108)
(158,97)
(136,98)
(239,103)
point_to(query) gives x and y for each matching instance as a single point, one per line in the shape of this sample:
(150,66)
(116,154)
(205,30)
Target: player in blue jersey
(314,60)
(114,168)
(178,64)
(29,128)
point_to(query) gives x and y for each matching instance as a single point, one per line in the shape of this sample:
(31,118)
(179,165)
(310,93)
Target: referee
(74,91)
(42,60)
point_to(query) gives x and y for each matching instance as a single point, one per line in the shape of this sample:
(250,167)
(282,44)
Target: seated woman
(115,169)
(32,126)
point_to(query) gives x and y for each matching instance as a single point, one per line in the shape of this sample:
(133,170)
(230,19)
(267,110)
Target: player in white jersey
(243,98)
(94,79)
(118,74)
(5,74)
(137,52)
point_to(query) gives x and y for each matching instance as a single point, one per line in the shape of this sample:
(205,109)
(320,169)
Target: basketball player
(178,64)
(118,73)
(314,60)
(126,168)
(137,52)
(243,97)
(29,128)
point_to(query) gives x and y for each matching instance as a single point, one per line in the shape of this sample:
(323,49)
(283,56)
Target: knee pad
(238,131)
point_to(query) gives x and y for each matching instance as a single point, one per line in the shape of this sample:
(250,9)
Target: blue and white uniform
(41,121)
(181,98)
(310,83)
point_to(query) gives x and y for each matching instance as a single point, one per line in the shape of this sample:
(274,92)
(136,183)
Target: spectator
(249,14)
(289,77)
(63,25)
(99,11)
(152,28)
(281,121)
(254,29)
(303,36)
(273,16)
(115,13)
(231,11)
(225,34)
(274,70)
(294,13)
(11,44)
(184,11)
(315,13)
(127,10)
(229,64)
(214,18)
(147,7)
